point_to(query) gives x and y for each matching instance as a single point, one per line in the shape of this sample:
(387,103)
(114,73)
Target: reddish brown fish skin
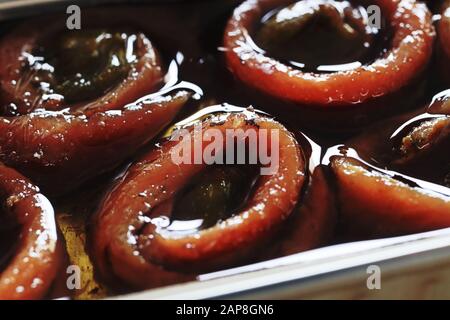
(425,151)
(60,150)
(216,247)
(376,205)
(26,37)
(38,255)
(443,52)
(314,221)
(340,100)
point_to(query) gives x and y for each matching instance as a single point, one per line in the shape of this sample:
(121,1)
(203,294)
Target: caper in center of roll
(319,35)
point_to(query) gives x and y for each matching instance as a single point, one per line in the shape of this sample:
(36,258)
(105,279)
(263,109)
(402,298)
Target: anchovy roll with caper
(167,221)
(77,103)
(331,64)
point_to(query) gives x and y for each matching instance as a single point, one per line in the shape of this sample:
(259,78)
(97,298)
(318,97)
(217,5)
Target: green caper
(288,22)
(297,33)
(214,196)
(86,63)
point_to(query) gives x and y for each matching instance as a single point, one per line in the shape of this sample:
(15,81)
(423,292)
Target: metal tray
(411,267)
